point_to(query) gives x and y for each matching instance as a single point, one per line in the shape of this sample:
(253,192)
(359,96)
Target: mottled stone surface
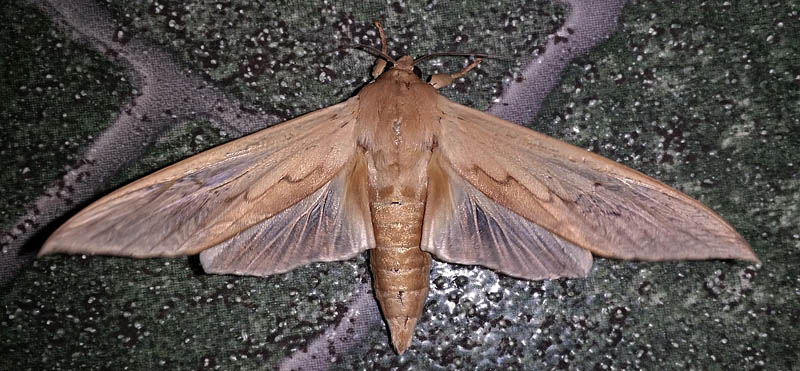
(705,97)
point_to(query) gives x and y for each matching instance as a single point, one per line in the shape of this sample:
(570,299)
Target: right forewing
(210,197)
(595,203)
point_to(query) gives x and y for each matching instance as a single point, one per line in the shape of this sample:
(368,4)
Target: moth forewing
(593,202)
(210,197)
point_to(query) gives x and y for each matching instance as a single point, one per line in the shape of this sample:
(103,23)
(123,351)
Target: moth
(404,173)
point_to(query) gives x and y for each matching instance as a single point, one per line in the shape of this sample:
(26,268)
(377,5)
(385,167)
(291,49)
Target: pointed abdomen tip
(402,331)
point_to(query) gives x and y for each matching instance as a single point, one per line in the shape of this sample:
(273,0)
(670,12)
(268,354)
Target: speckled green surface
(57,94)
(704,97)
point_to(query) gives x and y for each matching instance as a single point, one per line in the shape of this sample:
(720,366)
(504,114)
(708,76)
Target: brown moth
(405,173)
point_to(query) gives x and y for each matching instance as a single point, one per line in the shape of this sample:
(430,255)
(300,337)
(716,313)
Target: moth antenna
(459,54)
(370,50)
(441,80)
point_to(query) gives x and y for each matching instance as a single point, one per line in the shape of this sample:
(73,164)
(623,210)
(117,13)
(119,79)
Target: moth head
(408,64)
(405,63)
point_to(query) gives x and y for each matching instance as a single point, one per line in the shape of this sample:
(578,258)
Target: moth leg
(380,63)
(441,80)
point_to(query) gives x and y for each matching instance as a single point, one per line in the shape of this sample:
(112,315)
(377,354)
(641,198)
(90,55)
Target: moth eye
(417,72)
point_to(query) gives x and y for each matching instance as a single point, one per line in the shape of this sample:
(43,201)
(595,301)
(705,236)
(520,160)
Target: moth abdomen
(400,269)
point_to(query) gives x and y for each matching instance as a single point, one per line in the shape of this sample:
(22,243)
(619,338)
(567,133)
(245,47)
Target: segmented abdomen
(400,269)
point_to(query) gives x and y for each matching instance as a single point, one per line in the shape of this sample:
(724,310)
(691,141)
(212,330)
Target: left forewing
(595,203)
(210,197)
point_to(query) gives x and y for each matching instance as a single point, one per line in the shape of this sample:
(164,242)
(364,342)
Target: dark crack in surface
(165,93)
